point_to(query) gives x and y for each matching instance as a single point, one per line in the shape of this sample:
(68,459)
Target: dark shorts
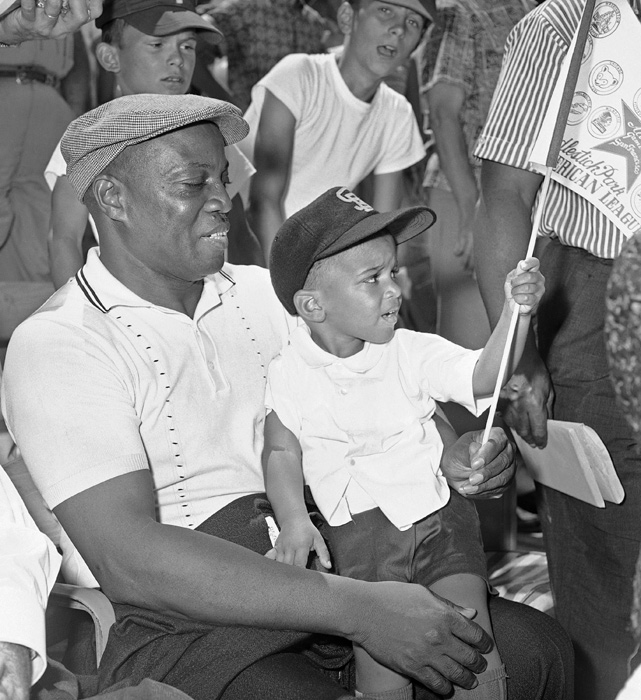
(371,548)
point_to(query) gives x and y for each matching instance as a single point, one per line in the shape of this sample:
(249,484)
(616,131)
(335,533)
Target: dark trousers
(591,551)
(242,663)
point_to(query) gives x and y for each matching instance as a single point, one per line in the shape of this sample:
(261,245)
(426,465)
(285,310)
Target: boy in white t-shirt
(352,416)
(150,47)
(322,120)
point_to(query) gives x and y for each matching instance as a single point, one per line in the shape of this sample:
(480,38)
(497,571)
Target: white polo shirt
(365,423)
(99,382)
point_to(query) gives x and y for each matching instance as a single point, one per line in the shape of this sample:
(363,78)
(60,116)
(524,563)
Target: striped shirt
(534,53)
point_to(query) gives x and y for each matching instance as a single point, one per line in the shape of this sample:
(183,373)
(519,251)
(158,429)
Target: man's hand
(526,400)
(47,19)
(464,248)
(415,632)
(296,540)
(15,671)
(483,471)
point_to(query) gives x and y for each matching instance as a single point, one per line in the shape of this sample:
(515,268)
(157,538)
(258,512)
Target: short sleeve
(69,444)
(534,53)
(57,167)
(450,56)
(403,144)
(289,81)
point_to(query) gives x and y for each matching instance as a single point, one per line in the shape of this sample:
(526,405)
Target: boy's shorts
(447,542)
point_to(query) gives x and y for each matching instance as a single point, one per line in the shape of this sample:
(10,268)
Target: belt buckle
(22,77)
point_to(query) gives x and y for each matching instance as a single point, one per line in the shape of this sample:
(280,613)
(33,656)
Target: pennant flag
(600,149)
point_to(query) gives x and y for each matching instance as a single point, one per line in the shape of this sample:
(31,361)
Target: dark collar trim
(92,297)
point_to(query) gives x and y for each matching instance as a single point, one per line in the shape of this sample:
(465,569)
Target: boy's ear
(108,57)
(308,306)
(344,17)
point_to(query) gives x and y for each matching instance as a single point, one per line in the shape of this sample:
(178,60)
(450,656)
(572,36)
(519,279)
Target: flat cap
(332,223)
(93,140)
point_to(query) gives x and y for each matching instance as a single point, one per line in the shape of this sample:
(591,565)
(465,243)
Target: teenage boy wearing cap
(136,396)
(321,120)
(351,405)
(150,47)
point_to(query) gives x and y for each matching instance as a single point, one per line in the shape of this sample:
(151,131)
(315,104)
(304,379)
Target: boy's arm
(523,287)
(388,191)
(272,160)
(284,482)
(68,222)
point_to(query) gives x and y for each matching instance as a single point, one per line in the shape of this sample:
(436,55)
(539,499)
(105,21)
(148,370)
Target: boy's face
(384,35)
(359,294)
(156,64)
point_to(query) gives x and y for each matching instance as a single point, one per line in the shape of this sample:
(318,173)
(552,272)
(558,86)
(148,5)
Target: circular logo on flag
(606,77)
(605,20)
(587,49)
(604,122)
(635,200)
(636,102)
(580,107)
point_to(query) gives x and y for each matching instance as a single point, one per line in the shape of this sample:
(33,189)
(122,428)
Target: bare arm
(177,569)
(523,288)
(75,86)
(68,222)
(48,22)
(15,671)
(501,237)
(283,469)
(272,159)
(445,102)
(387,191)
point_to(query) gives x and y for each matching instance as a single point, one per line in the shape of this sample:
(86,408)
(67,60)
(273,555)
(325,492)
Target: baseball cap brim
(425,8)
(159,21)
(402,224)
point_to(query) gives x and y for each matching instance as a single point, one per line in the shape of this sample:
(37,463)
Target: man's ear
(108,57)
(344,18)
(107,192)
(308,306)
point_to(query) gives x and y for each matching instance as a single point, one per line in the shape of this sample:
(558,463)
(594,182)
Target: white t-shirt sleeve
(56,167)
(29,565)
(403,144)
(289,81)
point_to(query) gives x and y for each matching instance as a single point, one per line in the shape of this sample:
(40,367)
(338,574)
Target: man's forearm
(502,231)
(15,671)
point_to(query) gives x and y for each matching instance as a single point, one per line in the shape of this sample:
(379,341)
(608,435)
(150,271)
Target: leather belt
(24,76)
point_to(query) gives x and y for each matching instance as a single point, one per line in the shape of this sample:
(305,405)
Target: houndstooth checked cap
(93,140)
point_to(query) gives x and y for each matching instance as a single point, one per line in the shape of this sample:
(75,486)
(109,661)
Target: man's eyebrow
(194,164)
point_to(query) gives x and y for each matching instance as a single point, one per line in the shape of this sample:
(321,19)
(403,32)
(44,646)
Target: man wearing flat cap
(136,396)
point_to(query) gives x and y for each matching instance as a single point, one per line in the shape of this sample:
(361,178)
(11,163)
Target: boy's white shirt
(365,423)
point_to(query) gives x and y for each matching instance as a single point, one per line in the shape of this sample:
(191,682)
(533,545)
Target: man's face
(156,64)
(360,296)
(384,35)
(175,204)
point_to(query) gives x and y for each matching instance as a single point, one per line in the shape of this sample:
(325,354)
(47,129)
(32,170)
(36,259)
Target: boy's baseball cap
(332,223)
(158,17)
(96,138)
(425,8)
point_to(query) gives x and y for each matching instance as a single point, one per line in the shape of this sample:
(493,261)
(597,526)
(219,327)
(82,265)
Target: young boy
(321,119)
(352,409)
(149,46)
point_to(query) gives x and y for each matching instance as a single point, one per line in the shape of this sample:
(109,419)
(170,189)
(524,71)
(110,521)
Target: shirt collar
(105,292)
(314,356)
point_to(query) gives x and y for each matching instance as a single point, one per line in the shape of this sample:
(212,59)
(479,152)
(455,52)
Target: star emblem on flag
(627,145)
